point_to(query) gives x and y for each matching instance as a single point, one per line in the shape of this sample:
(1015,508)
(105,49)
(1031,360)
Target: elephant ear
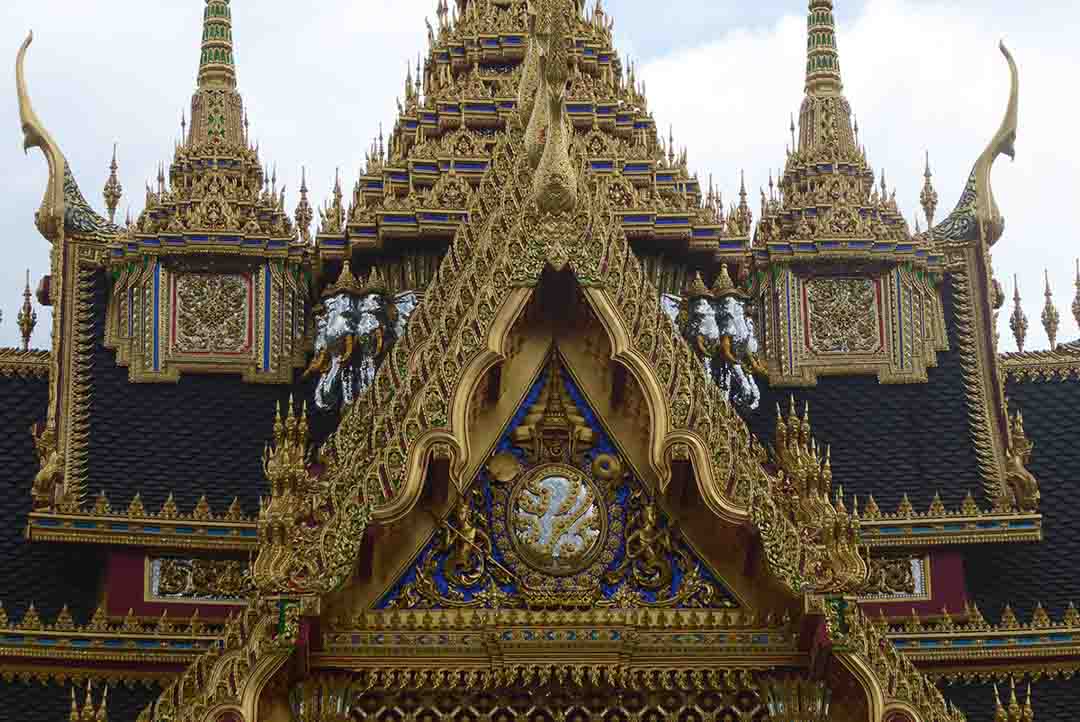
(405,303)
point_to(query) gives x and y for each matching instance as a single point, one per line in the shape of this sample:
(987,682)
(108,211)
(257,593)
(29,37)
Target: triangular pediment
(557,517)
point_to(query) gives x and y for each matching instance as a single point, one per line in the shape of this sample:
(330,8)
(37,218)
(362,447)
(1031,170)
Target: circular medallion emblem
(557,519)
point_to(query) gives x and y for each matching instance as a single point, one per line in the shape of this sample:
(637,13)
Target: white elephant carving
(354,332)
(717,326)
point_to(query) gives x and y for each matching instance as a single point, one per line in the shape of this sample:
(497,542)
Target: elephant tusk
(725,350)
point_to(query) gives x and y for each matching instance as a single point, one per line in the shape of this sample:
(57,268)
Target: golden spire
(1050,317)
(88,713)
(822,59)
(216,62)
(929,196)
(1018,321)
(27,317)
(217,115)
(1076,300)
(825,116)
(1014,704)
(304,214)
(113,190)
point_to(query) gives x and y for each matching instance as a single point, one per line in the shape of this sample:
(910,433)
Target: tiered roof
(827,202)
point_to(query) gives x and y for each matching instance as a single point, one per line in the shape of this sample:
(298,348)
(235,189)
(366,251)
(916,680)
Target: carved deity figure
(356,328)
(468,548)
(717,326)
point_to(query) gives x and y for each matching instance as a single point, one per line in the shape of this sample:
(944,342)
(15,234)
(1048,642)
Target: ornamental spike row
(201,511)
(99,624)
(973,621)
(871,512)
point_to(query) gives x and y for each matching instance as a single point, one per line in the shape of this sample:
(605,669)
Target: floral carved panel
(212,313)
(843,315)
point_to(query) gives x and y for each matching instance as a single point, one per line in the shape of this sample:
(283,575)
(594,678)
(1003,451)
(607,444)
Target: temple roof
(1023,575)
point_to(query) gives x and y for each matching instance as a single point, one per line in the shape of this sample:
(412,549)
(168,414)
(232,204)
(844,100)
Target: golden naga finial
(555,182)
(976,216)
(530,71)
(1050,317)
(1018,321)
(27,317)
(539,118)
(50,217)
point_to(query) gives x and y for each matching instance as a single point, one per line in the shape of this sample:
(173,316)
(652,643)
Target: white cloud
(317,81)
(919,77)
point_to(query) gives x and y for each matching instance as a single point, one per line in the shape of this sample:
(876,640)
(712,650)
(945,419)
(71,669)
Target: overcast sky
(318,79)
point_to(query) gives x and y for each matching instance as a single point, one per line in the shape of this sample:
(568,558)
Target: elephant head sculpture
(716,325)
(358,324)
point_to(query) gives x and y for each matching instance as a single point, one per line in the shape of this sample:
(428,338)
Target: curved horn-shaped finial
(990,220)
(976,216)
(50,217)
(1005,137)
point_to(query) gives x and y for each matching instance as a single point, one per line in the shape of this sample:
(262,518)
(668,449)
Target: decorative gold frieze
(575,694)
(179,579)
(134,525)
(1060,364)
(28,364)
(898,578)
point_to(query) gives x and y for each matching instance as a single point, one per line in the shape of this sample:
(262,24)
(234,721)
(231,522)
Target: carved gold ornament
(557,519)
(844,315)
(213,313)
